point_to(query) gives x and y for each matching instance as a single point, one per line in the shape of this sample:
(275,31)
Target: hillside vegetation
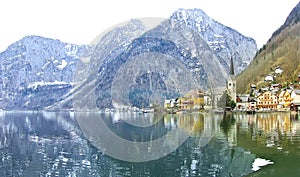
(282,51)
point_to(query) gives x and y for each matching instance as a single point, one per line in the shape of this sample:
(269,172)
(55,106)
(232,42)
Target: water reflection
(41,144)
(274,136)
(52,144)
(123,140)
(271,128)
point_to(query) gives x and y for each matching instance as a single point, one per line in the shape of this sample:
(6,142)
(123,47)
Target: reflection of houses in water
(270,128)
(271,123)
(191,123)
(195,123)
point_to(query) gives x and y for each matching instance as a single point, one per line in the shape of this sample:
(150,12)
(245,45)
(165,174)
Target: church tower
(231,82)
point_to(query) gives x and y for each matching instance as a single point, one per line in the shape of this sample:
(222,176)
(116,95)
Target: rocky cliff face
(39,73)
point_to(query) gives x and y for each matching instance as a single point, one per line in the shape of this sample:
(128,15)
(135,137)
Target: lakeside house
(271,96)
(285,98)
(267,101)
(245,102)
(295,105)
(193,100)
(171,103)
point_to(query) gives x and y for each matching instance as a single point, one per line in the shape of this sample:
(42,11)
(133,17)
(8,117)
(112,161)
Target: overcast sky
(80,21)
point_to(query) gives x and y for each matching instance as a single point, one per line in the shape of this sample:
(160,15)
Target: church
(231,82)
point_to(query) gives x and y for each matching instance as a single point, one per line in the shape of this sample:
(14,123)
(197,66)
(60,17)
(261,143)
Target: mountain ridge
(293,18)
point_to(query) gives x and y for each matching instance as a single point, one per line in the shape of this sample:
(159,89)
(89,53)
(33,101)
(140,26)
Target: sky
(80,21)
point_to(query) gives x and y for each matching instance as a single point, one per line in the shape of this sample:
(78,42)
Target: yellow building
(267,101)
(186,102)
(192,100)
(199,99)
(167,104)
(285,99)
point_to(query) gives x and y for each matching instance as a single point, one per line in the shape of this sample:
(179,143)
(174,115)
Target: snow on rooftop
(269,78)
(278,71)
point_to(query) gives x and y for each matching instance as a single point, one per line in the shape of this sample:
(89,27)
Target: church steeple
(231,82)
(231,67)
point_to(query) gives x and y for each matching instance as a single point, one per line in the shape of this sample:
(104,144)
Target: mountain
(280,52)
(165,51)
(225,41)
(129,65)
(292,19)
(177,39)
(37,72)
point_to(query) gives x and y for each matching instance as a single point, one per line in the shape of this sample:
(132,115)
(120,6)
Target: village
(271,98)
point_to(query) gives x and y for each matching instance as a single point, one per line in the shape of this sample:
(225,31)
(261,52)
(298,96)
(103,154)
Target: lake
(73,144)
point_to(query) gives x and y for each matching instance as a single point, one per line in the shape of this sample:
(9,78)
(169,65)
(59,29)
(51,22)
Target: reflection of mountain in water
(40,144)
(36,144)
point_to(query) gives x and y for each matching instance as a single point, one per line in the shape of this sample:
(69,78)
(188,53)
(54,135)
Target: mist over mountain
(41,73)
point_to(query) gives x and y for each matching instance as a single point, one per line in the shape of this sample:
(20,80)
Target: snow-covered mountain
(225,41)
(201,44)
(174,44)
(38,72)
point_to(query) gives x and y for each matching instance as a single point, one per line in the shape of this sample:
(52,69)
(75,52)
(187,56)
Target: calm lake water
(54,144)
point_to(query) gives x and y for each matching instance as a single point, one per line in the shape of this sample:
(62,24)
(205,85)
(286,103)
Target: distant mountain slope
(282,51)
(36,72)
(293,18)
